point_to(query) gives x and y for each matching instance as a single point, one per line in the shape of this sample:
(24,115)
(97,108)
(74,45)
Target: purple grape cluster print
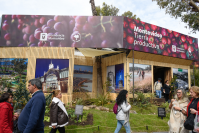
(61,31)
(150,38)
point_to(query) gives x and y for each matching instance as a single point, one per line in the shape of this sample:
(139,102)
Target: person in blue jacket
(32,116)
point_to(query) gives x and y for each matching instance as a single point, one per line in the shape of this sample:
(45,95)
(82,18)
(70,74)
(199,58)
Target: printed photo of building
(55,76)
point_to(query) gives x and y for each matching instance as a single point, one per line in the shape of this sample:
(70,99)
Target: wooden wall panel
(32,53)
(114,60)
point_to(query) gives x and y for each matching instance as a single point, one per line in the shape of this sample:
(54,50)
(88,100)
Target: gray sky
(146,10)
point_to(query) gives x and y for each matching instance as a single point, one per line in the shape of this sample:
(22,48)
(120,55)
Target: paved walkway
(157,132)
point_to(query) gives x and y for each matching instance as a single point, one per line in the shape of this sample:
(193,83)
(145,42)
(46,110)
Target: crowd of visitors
(30,118)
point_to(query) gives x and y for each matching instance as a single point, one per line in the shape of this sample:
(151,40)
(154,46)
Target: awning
(89,52)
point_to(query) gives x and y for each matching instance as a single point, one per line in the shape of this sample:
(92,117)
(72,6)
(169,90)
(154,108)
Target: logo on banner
(173,48)
(76,37)
(43,37)
(189,51)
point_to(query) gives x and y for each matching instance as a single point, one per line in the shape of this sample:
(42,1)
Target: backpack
(115,109)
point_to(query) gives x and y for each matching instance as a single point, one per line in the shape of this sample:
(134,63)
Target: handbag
(196,123)
(189,123)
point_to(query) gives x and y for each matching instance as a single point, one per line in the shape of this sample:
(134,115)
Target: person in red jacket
(6,109)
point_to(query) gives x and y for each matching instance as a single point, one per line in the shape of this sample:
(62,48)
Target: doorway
(161,72)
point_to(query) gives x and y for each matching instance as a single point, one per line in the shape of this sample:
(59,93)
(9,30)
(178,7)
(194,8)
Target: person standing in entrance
(32,116)
(123,112)
(157,87)
(166,90)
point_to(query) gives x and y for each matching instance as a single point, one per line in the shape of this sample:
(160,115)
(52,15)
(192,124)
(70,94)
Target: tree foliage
(4,65)
(107,10)
(195,75)
(187,10)
(21,95)
(129,14)
(110,10)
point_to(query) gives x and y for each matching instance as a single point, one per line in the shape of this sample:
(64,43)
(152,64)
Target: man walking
(32,116)
(157,87)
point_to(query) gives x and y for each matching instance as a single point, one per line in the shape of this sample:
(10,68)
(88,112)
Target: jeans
(60,129)
(120,124)
(159,93)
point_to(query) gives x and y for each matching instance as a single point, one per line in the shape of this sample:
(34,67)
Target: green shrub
(21,95)
(48,99)
(141,100)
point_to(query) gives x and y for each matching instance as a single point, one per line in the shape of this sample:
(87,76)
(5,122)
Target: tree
(110,10)
(107,10)
(129,14)
(4,65)
(19,65)
(187,10)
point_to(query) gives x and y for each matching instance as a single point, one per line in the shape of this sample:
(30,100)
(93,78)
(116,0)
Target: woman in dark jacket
(193,106)
(6,109)
(166,90)
(58,113)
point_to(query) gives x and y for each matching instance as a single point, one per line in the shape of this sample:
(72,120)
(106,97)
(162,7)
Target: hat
(159,79)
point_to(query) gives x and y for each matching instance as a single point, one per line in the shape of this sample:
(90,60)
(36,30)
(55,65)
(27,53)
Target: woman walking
(123,112)
(177,116)
(193,106)
(6,109)
(58,113)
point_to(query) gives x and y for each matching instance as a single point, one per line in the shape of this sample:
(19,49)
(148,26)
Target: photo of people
(13,70)
(82,81)
(182,77)
(53,74)
(142,77)
(115,76)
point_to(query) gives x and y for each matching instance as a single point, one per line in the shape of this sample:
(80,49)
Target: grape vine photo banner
(95,32)
(62,31)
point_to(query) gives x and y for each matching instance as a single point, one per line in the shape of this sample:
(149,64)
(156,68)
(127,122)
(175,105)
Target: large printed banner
(53,74)
(62,31)
(95,32)
(115,76)
(157,40)
(13,70)
(182,77)
(82,81)
(142,77)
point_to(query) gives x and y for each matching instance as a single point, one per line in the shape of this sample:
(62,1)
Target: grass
(107,121)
